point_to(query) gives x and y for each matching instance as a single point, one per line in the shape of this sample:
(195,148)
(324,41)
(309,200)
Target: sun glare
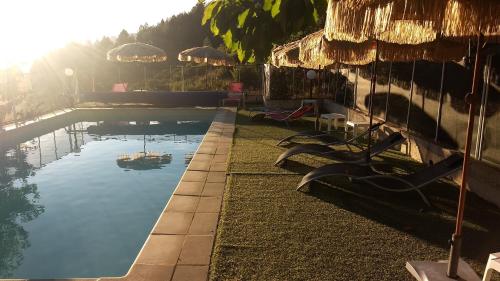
(31,28)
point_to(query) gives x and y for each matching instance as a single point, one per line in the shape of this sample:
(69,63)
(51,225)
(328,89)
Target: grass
(338,230)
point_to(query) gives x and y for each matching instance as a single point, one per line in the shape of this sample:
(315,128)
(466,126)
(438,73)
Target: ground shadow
(420,122)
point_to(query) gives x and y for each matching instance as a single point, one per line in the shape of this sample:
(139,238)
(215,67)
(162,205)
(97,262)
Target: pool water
(80,200)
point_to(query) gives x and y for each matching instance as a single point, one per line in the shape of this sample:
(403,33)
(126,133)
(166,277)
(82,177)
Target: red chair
(120,88)
(284,116)
(235,94)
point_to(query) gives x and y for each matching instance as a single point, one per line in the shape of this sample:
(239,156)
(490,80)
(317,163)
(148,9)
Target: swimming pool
(79,197)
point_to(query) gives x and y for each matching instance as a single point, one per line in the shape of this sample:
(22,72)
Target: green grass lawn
(338,230)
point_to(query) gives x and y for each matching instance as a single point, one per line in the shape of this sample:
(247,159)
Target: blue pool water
(71,207)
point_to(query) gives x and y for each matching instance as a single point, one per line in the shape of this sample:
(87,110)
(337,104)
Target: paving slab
(204,224)
(199,166)
(181,203)
(213,189)
(196,250)
(209,205)
(191,273)
(216,177)
(161,250)
(194,176)
(173,223)
(193,188)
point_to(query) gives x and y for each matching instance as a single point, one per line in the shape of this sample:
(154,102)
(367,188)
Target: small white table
(355,125)
(329,117)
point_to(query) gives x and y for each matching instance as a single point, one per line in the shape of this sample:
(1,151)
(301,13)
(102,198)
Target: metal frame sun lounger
(282,116)
(388,182)
(327,138)
(342,156)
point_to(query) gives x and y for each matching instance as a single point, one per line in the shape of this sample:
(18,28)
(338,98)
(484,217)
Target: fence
(428,99)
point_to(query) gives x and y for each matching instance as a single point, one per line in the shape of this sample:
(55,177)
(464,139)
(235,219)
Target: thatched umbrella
(137,52)
(286,55)
(414,22)
(315,48)
(315,51)
(207,55)
(411,21)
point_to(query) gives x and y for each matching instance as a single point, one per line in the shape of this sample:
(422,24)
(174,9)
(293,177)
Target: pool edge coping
(184,254)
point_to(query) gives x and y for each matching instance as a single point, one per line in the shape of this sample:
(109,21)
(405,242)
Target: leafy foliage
(250,28)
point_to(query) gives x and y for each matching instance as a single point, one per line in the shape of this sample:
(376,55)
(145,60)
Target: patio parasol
(286,55)
(316,50)
(208,55)
(137,52)
(414,22)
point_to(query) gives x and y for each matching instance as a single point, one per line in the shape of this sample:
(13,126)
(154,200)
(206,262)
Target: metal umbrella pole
(370,106)
(145,78)
(456,239)
(206,76)
(440,108)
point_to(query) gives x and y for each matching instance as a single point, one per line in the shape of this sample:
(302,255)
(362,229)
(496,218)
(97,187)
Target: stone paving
(181,242)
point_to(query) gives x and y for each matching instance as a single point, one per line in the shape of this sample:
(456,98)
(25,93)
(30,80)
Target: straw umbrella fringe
(411,22)
(137,52)
(316,50)
(207,55)
(286,55)
(363,53)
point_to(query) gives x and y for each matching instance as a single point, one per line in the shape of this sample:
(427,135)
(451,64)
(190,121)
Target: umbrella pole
(456,239)
(370,106)
(440,108)
(145,78)
(388,92)
(206,78)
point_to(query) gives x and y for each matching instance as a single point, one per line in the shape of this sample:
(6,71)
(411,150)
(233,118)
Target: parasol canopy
(136,52)
(315,50)
(206,54)
(286,55)
(411,22)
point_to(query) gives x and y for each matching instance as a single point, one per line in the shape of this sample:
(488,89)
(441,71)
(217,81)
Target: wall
(409,97)
(164,99)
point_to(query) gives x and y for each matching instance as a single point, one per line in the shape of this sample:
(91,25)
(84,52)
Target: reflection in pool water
(73,205)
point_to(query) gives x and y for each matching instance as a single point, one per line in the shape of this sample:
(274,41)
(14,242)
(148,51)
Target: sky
(31,28)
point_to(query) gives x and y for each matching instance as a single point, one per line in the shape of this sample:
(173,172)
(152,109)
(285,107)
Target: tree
(251,28)
(123,38)
(178,33)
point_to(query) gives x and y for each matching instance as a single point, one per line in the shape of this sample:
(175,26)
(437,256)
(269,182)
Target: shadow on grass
(401,211)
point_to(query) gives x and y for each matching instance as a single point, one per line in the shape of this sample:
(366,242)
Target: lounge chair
(327,138)
(283,116)
(342,156)
(388,182)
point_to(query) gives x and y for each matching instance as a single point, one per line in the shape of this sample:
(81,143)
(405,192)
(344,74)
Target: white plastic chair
(493,264)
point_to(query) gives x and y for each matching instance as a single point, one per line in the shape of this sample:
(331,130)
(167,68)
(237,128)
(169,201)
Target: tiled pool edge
(181,243)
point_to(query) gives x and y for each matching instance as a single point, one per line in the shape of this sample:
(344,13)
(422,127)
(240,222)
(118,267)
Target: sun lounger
(282,116)
(342,156)
(327,138)
(388,182)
